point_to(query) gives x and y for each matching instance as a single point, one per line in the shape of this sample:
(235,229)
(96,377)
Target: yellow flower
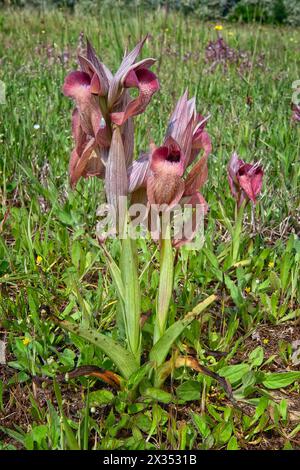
(26,341)
(271,264)
(39,259)
(218,27)
(247,290)
(230,33)
(266,340)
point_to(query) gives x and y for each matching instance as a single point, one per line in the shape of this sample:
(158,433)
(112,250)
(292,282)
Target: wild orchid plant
(245,181)
(103,133)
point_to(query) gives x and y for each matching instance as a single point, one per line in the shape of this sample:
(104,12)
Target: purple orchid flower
(103,100)
(163,175)
(245,179)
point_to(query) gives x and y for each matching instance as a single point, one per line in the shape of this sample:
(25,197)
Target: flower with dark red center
(245,179)
(163,174)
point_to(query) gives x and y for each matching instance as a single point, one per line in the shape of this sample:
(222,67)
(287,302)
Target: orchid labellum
(245,179)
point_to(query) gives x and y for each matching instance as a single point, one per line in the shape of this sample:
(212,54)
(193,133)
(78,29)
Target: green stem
(165,285)
(132,296)
(237,231)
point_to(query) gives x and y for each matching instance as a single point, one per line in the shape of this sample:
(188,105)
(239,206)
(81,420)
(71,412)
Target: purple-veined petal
(179,119)
(138,173)
(164,189)
(77,86)
(197,177)
(250,178)
(96,71)
(78,165)
(116,183)
(124,68)
(148,84)
(194,222)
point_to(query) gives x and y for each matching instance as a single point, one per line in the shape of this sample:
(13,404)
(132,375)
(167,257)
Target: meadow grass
(49,256)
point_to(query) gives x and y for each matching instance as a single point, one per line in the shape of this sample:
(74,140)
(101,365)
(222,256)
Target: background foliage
(266,11)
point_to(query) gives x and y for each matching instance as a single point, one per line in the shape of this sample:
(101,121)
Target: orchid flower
(102,100)
(163,174)
(296,113)
(245,179)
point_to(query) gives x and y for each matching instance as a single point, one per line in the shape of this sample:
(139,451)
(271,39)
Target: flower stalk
(165,284)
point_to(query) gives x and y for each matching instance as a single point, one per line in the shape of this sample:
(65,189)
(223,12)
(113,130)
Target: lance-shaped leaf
(161,349)
(123,359)
(116,184)
(132,296)
(165,288)
(197,177)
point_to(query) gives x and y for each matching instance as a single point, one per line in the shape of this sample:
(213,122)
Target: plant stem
(132,296)
(165,284)
(237,231)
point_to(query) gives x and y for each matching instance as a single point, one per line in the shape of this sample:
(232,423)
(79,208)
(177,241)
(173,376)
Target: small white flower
(36,126)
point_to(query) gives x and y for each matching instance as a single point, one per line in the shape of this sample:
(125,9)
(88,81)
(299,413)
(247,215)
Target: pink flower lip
(245,179)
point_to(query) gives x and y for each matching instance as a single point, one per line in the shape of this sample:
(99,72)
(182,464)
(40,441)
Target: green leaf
(14,434)
(116,275)
(256,357)
(201,424)
(234,373)
(222,432)
(161,349)
(132,297)
(123,359)
(71,439)
(158,395)
(188,391)
(136,378)
(280,380)
(234,291)
(233,444)
(101,397)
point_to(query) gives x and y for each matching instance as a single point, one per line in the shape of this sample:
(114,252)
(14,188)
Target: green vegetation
(51,264)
